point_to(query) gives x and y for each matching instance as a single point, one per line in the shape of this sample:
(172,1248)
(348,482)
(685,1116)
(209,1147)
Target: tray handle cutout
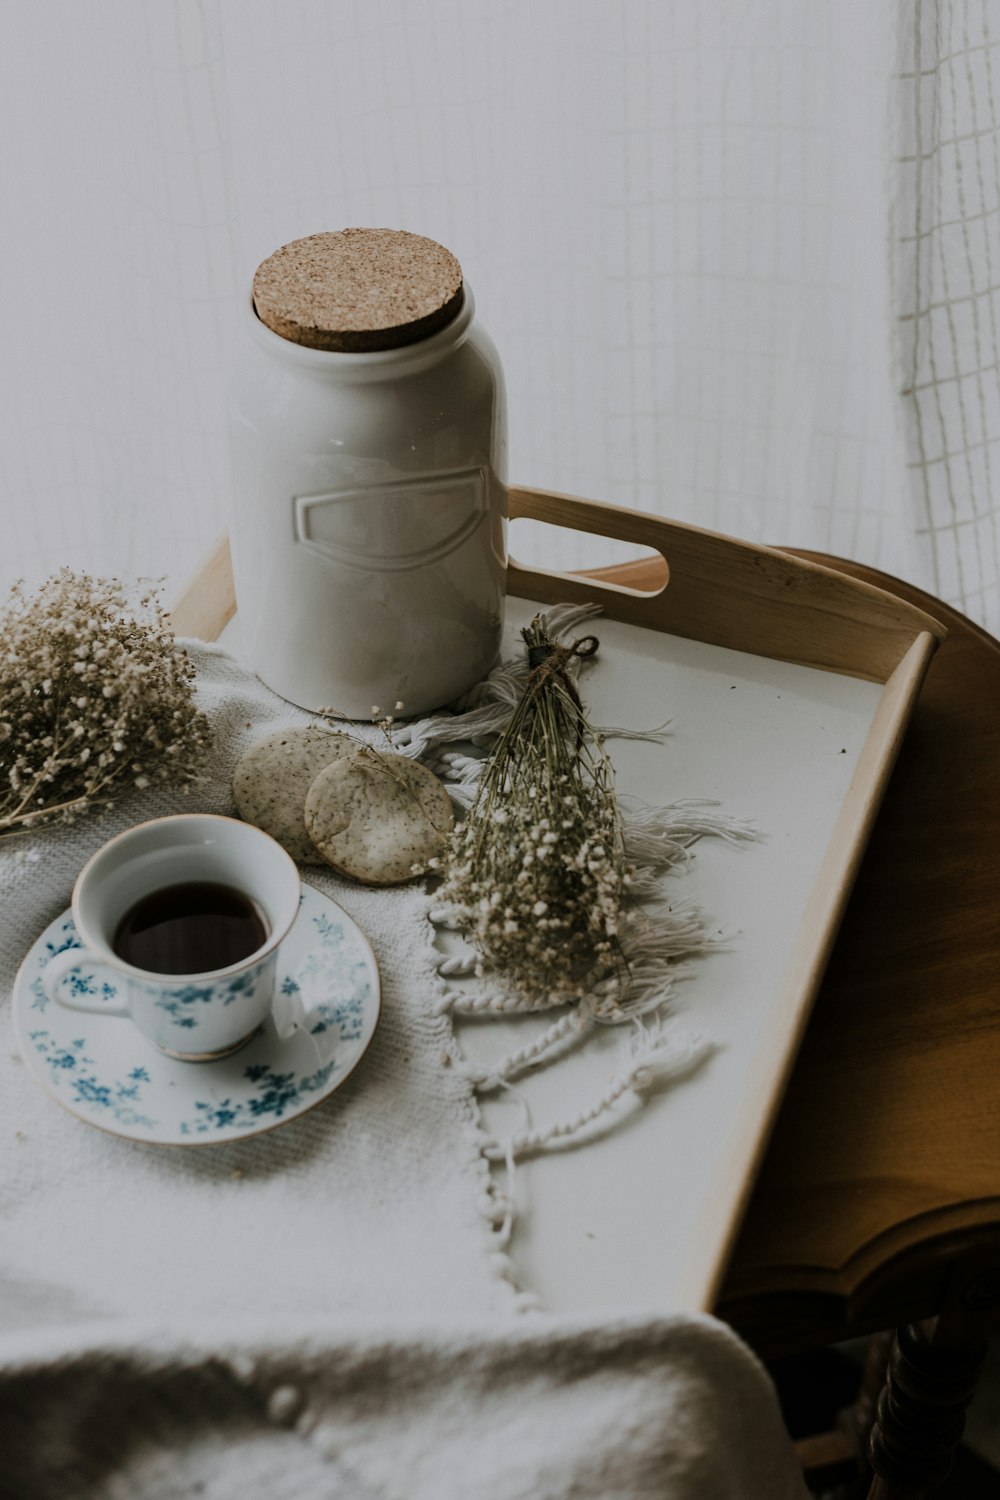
(597,519)
(728,593)
(622,570)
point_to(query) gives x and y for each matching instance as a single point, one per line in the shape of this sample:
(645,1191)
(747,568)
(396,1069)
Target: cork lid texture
(358,290)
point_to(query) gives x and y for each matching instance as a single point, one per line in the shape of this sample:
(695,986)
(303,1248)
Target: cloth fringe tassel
(560,1037)
(657,1060)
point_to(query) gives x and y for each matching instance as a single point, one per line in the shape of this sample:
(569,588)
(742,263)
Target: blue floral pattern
(105,1072)
(67,938)
(333,966)
(276,1093)
(64,937)
(78,981)
(182,1002)
(113,1097)
(348,1015)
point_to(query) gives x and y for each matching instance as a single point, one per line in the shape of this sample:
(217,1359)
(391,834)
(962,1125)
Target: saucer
(102,1069)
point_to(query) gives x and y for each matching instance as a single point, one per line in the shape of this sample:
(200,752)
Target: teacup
(196,1017)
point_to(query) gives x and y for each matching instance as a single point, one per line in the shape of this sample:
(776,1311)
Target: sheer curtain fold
(946,292)
(739,258)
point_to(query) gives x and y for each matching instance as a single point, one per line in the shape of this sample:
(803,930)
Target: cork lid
(358,289)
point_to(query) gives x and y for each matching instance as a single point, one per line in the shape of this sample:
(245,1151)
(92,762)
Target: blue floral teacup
(199,1016)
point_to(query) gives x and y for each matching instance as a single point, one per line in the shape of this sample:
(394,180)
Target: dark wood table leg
(930,1380)
(856,1421)
(920,1415)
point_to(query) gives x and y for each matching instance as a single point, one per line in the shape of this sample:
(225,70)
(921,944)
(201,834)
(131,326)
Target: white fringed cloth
(328,1309)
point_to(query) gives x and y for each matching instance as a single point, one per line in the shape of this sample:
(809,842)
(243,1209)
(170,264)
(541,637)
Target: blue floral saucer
(106,1072)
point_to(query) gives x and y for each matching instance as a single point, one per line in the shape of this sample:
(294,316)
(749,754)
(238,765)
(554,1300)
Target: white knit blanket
(316,1410)
(321,1281)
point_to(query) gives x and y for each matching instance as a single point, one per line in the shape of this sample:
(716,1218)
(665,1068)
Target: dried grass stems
(96,698)
(537,873)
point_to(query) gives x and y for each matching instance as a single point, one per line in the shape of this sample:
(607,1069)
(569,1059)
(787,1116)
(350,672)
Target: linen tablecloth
(323,1309)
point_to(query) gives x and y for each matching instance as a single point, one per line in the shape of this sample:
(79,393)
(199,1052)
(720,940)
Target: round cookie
(272,778)
(374,816)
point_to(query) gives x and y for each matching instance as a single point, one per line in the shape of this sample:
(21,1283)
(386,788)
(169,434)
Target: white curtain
(740,257)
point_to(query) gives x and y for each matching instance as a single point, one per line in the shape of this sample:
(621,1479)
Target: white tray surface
(619,1222)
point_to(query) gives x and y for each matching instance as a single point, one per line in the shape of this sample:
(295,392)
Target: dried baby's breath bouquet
(537,871)
(96,698)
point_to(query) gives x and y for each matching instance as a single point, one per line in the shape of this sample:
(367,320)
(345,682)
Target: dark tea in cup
(196,927)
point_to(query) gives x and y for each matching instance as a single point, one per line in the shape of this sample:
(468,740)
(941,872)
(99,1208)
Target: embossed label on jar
(387,527)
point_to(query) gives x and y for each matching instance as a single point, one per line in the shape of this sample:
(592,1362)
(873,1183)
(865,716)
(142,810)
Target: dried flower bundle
(556,885)
(537,873)
(96,698)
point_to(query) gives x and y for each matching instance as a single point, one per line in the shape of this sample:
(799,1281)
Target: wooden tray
(788,687)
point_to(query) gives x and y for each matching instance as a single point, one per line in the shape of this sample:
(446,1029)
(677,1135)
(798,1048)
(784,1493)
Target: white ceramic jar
(368,521)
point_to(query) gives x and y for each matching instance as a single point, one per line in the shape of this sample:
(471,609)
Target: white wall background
(740,257)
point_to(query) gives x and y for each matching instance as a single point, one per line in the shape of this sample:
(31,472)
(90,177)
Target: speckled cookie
(374,816)
(271,781)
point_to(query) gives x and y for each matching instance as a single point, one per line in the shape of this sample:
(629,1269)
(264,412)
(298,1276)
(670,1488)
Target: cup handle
(61,964)
(290,1014)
